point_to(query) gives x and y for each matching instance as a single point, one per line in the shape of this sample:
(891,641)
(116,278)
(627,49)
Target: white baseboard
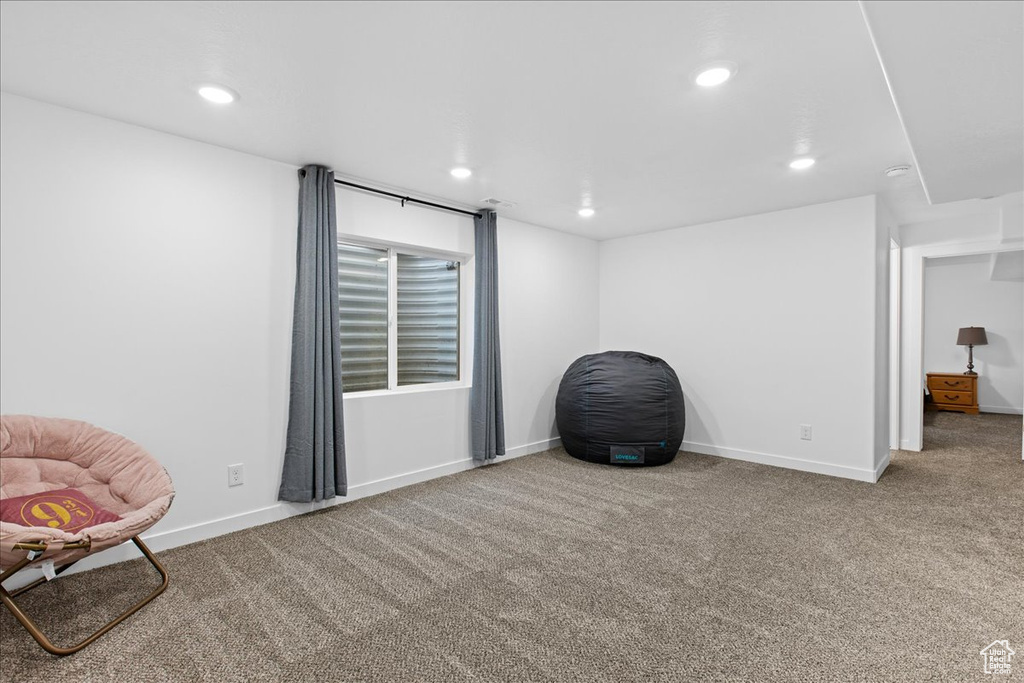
(881,466)
(1005,410)
(787,462)
(535,447)
(172,538)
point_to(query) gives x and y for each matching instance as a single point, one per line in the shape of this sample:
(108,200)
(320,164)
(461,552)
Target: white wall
(983,225)
(771,321)
(549,318)
(146,285)
(958,292)
(1011,217)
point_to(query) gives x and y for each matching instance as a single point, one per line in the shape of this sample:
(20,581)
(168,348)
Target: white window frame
(465,304)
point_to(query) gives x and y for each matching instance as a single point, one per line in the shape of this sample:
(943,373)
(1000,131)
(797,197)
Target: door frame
(895,292)
(912,351)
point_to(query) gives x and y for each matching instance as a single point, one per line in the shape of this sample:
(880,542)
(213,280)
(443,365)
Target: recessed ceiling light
(461,172)
(801,163)
(586,212)
(897,171)
(218,94)
(716,75)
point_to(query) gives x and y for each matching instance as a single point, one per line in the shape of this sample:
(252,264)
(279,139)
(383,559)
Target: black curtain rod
(407,199)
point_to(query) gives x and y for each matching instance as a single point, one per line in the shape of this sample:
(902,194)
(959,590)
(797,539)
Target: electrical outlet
(805,432)
(235,475)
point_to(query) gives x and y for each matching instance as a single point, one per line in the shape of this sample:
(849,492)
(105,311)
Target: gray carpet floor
(545,568)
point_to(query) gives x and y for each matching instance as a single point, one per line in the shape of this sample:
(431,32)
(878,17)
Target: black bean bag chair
(621,408)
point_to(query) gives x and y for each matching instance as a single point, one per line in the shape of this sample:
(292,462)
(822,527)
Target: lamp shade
(971,335)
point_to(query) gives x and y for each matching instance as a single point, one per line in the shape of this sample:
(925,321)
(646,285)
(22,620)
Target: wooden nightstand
(953,392)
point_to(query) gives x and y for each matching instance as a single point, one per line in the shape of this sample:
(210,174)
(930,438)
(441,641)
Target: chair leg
(30,626)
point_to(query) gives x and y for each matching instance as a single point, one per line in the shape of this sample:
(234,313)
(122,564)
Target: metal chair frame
(34,551)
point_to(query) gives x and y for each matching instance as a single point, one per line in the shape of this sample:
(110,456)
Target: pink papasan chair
(69,490)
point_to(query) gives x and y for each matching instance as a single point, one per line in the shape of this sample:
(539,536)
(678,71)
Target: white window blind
(428,320)
(363,303)
(399,318)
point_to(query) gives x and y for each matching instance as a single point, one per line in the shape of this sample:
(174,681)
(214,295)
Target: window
(399,318)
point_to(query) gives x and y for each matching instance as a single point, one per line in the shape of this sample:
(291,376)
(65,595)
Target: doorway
(915,261)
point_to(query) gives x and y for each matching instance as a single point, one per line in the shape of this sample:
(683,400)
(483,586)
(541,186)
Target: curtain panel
(486,416)
(314,459)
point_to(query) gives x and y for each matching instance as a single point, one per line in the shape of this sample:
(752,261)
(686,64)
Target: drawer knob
(951,384)
(951,398)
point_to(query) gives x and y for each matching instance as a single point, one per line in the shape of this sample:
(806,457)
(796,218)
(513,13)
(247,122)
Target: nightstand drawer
(953,391)
(947,383)
(964,398)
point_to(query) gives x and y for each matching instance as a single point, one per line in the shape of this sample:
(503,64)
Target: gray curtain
(314,457)
(487,416)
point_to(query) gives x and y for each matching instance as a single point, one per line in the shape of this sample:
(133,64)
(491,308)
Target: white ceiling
(958,83)
(552,104)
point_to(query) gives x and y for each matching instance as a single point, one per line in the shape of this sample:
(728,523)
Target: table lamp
(969,337)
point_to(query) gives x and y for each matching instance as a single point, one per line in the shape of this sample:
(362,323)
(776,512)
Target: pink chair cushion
(39,454)
(64,509)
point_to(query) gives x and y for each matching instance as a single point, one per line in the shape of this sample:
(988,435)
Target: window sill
(401,391)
